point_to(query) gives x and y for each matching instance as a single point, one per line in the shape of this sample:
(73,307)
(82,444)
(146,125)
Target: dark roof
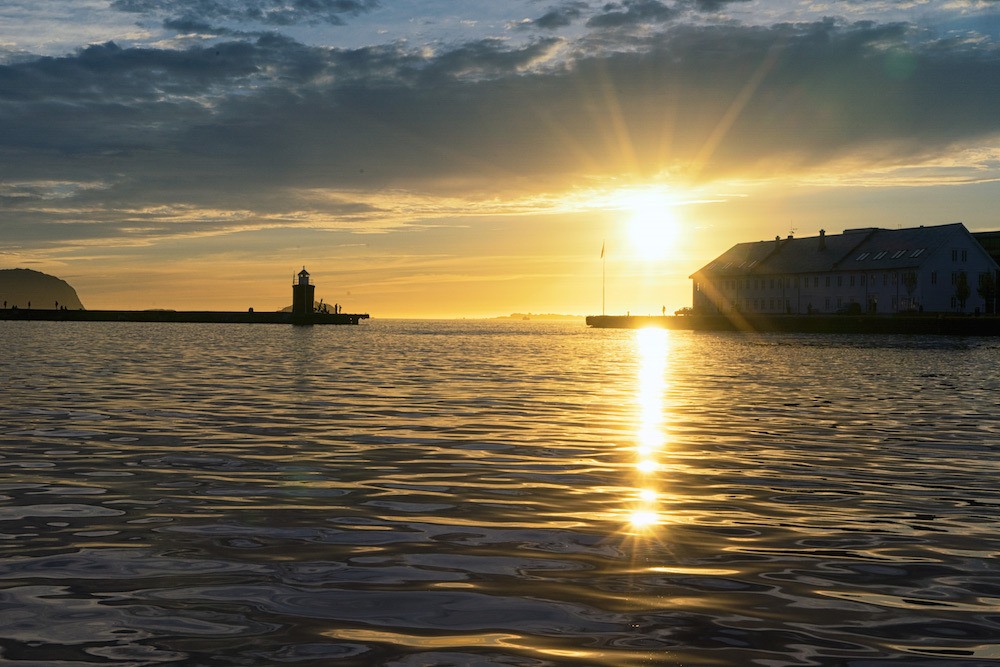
(868,249)
(990,242)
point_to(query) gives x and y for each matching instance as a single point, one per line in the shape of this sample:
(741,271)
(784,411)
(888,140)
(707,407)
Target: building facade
(940,269)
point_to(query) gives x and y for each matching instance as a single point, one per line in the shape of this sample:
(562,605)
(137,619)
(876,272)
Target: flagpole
(604,274)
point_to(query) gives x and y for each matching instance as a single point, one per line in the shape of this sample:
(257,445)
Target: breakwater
(196,316)
(947,325)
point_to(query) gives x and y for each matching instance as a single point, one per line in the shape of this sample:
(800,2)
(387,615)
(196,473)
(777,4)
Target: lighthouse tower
(303,295)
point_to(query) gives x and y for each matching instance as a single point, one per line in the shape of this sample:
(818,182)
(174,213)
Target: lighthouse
(303,295)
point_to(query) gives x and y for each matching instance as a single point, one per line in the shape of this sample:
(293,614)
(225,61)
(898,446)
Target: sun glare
(652,223)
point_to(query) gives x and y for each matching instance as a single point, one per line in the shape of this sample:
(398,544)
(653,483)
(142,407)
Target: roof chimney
(822,239)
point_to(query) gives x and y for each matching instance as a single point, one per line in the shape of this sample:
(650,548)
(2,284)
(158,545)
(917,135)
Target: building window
(885,278)
(954,278)
(918,252)
(933,277)
(954,302)
(840,281)
(827,281)
(815,281)
(898,254)
(862,256)
(840,302)
(954,255)
(863,276)
(965,255)
(827,303)
(852,280)
(881,254)
(772,304)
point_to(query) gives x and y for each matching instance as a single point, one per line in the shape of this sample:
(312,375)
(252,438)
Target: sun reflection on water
(651,348)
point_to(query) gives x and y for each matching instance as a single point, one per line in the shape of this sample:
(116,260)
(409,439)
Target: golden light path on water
(651,350)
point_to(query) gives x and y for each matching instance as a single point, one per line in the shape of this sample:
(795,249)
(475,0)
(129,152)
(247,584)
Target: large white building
(868,270)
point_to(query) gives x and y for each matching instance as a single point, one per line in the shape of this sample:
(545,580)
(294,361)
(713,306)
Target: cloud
(558,17)
(713,5)
(249,126)
(631,13)
(268,12)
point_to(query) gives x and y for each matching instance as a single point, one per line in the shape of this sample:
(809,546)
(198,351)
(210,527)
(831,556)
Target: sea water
(495,493)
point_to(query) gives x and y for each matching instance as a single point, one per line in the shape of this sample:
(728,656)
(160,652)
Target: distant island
(25,288)
(540,316)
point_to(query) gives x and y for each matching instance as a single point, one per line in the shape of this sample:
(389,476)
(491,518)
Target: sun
(653,228)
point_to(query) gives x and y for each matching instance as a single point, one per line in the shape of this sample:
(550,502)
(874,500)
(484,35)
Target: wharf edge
(832,324)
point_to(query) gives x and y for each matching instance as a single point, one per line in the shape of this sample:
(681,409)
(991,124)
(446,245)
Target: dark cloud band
(268,12)
(244,123)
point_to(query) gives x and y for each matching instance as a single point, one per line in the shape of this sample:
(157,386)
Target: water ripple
(480,493)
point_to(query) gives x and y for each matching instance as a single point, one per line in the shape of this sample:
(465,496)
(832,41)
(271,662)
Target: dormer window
(898,254)
(918,252)
(880,255)
(862,256)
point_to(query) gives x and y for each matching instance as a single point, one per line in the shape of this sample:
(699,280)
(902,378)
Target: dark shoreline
(944,325)
(192,316)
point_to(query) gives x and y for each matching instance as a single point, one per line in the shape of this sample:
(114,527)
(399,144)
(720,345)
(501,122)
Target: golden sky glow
(473,163)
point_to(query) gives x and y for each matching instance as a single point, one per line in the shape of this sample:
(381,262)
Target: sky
(476,158)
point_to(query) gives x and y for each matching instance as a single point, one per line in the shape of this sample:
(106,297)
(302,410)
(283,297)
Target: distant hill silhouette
(20,286)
